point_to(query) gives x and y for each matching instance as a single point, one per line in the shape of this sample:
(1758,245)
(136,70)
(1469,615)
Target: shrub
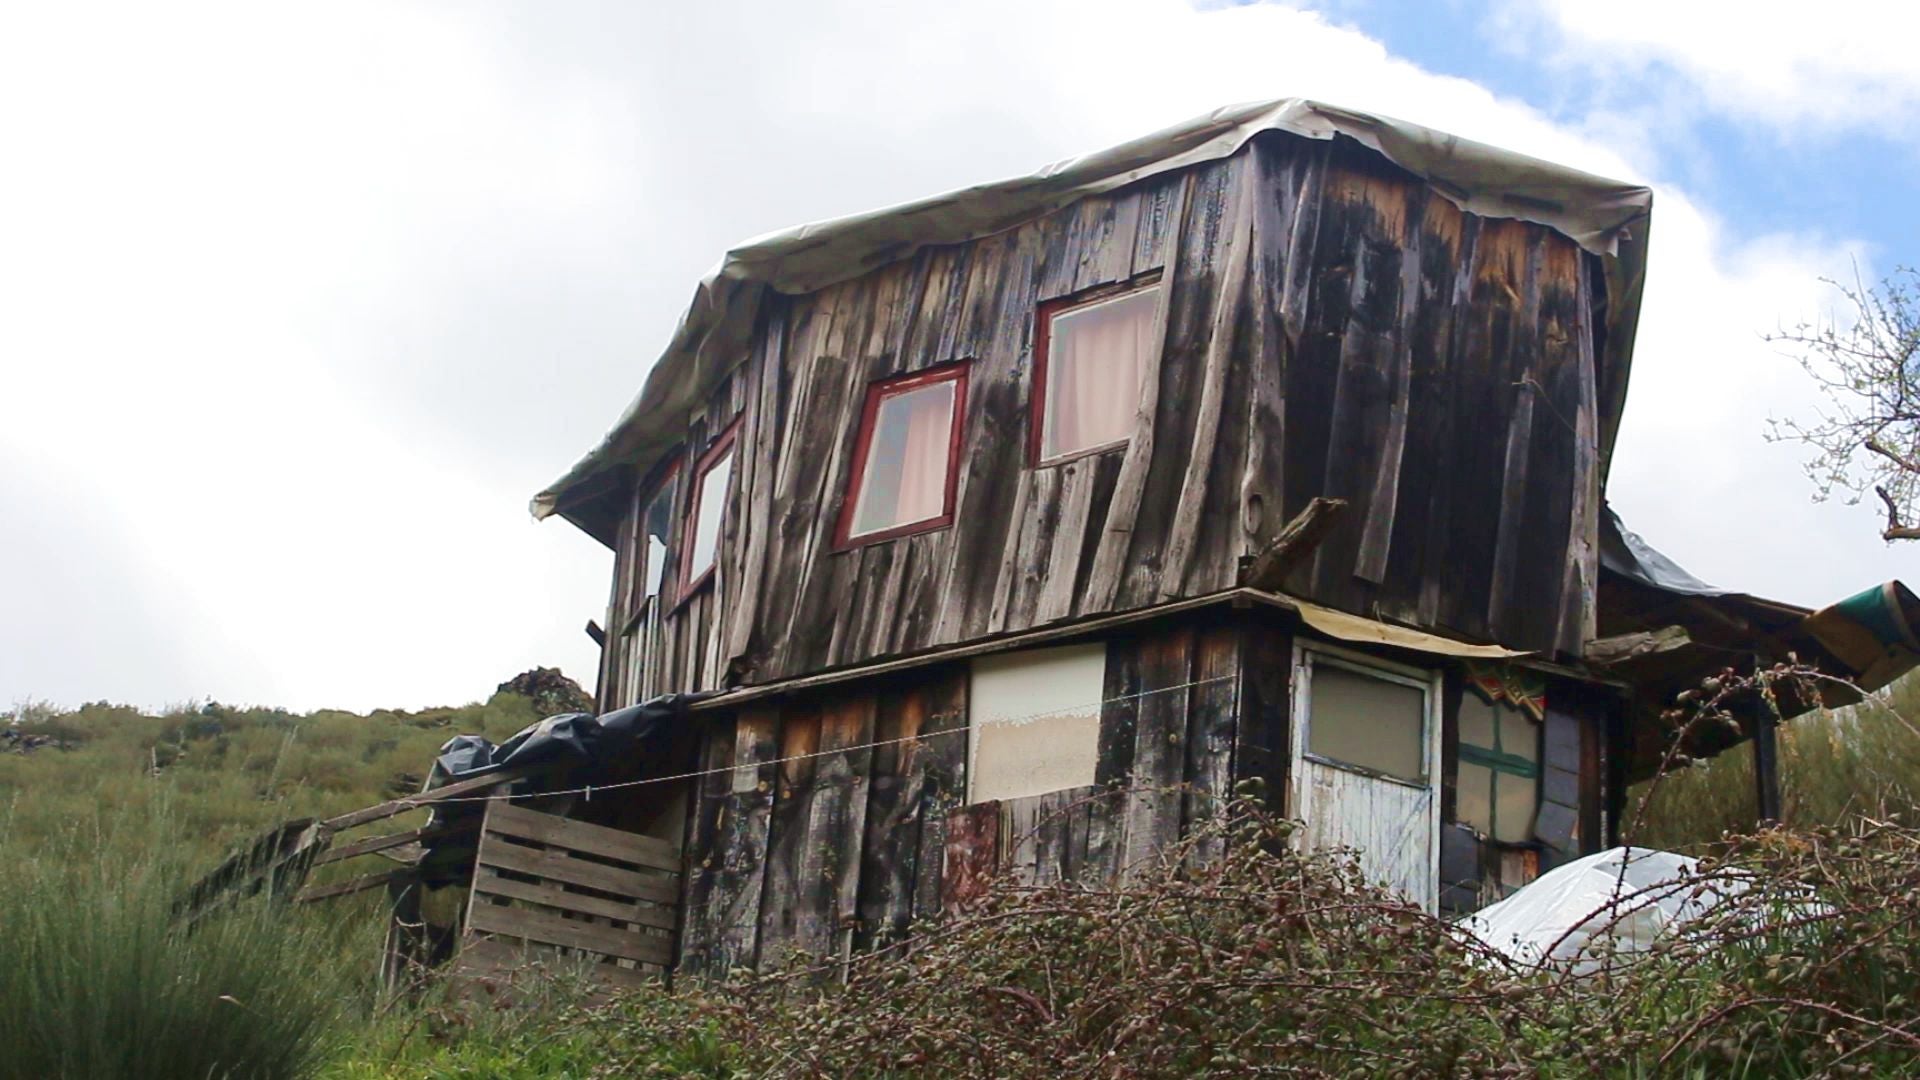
(1269,960)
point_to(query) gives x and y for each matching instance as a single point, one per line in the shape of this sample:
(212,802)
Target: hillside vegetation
(1268,961)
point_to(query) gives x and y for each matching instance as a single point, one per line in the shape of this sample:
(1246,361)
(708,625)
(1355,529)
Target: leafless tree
(1866,434)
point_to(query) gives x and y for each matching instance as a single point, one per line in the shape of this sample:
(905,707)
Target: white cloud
(300,304)
(1838,66)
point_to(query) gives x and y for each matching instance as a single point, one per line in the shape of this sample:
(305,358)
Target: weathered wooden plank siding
(1333,327)
(844,821)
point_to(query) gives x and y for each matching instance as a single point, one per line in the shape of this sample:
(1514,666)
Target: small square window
(906,458)
(1092,361)
(1367,720)
(1497,788)
(705,514)
(1034,721)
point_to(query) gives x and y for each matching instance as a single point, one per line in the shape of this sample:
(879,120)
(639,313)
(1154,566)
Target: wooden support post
(1766,764)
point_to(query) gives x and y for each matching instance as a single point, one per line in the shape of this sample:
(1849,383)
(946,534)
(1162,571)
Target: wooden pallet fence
(548,889)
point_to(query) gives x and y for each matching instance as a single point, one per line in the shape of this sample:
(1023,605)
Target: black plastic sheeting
(580,748)
(1623,552)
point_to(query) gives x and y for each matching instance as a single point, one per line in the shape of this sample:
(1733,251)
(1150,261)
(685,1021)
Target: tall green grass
(1836,768)
(100,980)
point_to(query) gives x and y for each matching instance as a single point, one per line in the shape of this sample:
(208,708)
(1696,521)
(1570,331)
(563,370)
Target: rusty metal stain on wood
(972,854)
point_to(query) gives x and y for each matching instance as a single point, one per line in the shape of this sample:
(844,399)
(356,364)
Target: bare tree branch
(1866,367)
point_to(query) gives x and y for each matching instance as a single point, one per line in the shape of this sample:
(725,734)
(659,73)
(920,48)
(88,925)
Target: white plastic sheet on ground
(1619,901)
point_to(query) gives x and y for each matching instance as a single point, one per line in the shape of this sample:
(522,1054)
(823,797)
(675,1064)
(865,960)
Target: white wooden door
(1368,776)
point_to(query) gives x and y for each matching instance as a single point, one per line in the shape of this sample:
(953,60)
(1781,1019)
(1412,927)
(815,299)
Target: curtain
(923,465)
(907,460)
(1096,361)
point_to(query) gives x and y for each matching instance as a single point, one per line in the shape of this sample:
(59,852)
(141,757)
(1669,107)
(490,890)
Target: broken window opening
(706,512)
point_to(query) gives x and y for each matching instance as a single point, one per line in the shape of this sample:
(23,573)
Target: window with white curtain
(1094,360)
(904,459)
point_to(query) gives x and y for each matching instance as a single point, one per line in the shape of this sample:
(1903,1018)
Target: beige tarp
(1606,217)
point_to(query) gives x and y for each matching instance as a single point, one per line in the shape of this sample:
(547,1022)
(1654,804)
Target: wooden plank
(373,844)
(1376,533)
(840,817)
(472,786)
(579,836)
(699,925)
(1213,714)
(1261,752)
(940,763)
(782,907)
(1293,544)
(1154,799)
(740,849)
(560,866)
(349,886)
(547,928)
(889,853)
(488,958)
(1116,538)
(658,915)
(1228,303)
(1062,565)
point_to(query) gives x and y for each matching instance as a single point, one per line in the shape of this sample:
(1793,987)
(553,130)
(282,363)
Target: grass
(100,981)
(104,827)
(1836,768)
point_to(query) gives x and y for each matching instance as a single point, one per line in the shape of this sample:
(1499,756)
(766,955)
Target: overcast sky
(300,303)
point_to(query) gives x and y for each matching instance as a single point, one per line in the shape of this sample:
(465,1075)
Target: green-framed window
(1497,788)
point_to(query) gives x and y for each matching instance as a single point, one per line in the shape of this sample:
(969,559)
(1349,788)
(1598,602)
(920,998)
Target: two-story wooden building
(1017,526)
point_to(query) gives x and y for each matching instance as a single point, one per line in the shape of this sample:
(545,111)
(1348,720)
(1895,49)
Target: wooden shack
(1016,529)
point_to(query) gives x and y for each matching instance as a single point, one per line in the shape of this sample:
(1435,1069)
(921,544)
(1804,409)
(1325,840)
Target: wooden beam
(1296,539)
(1766,766)
(384,843)
(426,798)
(598,635)
(1620,648)
(349,886)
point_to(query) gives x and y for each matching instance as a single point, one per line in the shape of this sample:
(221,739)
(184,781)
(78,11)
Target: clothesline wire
(425,799)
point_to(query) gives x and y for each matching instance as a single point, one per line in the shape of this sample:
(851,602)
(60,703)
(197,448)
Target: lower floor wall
(835,822)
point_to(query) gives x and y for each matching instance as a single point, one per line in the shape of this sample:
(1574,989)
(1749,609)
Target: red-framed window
(906,461)
(712,476)
(1092,356)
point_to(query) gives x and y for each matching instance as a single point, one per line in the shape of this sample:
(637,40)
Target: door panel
(1393,823)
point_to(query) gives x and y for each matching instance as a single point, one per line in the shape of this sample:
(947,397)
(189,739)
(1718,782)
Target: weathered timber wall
(1333,327)
(848,848)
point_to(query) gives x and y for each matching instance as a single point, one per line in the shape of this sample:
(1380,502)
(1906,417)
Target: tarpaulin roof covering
(1606,217)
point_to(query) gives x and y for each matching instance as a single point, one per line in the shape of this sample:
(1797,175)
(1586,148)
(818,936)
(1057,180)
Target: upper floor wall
(1327,325)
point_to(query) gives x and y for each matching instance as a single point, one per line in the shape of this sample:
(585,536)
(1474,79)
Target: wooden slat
(386,842)
(485,957)
(658,915)
(348,887)
(559,866)
(456,789)
(550,929)
(1227,305)
(648,851)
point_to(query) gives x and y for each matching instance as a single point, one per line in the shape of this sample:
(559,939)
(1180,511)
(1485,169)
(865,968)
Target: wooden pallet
(548,890)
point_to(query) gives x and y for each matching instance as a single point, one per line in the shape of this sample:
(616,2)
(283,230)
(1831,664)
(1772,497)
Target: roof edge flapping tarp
(1606,217)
